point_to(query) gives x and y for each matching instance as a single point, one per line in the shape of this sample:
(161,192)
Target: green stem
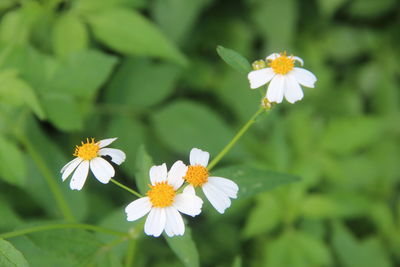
(126,188)
(131,253)
(41,228)
(46,172)
(229,146)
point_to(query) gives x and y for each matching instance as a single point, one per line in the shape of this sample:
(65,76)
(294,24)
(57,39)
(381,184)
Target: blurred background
(148,73)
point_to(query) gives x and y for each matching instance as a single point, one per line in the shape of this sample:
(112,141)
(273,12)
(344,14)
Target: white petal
(189,189)
(273,56)
(218,199)
(260,77)
(70,167)
(106,142)
(117,155)
(174,224)
(276,89)
(188,203)
(155,222)
(138,208)
(102,170)
(176,173)
(304,77)
(199,157)
(80,175)
(227,186)
(158,174)
(299,60)
(293,91)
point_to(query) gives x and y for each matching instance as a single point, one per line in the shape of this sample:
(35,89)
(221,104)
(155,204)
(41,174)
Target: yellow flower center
(88,150)
(161,195)
(196,175)
(282,64)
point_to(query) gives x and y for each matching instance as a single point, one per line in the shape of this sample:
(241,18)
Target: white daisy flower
(88,156)
(218,190)
(163,203)
(284,76)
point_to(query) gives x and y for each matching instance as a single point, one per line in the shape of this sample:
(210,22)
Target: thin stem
(235,139)
(46,172)
(130,253)
(41,228)
(126,188)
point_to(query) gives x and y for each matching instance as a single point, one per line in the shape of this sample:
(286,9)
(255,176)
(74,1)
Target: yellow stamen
(196,175)
(161,195)
(282,64)
(88,150)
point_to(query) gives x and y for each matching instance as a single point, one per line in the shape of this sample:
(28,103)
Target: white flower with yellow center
(163,202)
(284,76)
(88,156)
(218,190)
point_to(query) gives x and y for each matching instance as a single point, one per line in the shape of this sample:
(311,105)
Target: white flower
(88,156)
(284,76)
(164,203)
(218,190)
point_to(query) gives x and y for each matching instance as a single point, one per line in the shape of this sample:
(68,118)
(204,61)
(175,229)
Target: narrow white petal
(199,157)
(218,199)
(138,208)
(227,186)
(304,77)
(299,60)
(273,56)
(293,90)
(276,89)
(106,142)
(260,77)
(155,222)
(69,168)
(176,173)
(174,224)
(189,189)
(102,170)
(188,203)
(158,174)
(80,175)
(117,155)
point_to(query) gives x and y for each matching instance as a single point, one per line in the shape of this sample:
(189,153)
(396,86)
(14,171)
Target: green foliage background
(148,73)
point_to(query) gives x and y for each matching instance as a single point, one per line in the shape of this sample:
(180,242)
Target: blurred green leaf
(69,35)
(252,181)
(234,59)
(141,83)
(63,111)
(128,32)
(185,248)
(319,206)
(10,256)
(12,165)
(85,6)
(17,92)
(346,135)
(142,167)
(352,253)
(183,125)
(329,7)
(370,8)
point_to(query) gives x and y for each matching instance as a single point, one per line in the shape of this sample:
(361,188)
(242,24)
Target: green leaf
(69,35)
(142,167)
(85,6)
(130,33)
(347,135)
(234,59)
(183,125)
(15,91)
(12,164)
(185,248)
(63,111)
(10,256)
(252,181)
(141,83)
(370,8)
(81,74)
